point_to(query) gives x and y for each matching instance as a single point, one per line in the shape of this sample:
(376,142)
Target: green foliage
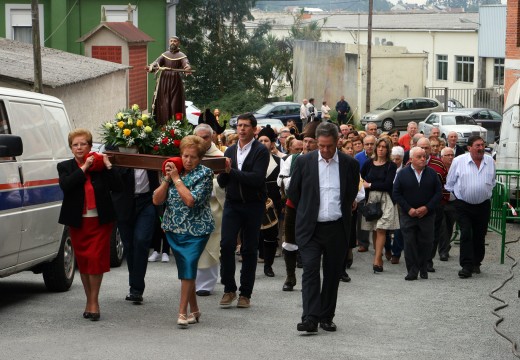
(237,103)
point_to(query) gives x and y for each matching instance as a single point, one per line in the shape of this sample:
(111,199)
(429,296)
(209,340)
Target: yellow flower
(119,116)
(130,122)
(139,123)
(109,126)
(147,129)
(120,124)
(127,132)
(145,117)
(135,107)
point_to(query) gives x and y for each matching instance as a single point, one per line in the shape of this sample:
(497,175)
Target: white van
(33,139)
(507,151)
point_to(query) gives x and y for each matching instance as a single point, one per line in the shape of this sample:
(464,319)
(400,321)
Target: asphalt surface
(378,316)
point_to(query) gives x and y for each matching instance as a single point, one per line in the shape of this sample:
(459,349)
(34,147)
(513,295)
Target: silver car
(462,124)
(399,112)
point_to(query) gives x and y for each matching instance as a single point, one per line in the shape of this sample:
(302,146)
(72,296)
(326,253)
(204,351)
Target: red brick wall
(108,53)
(137,85)
(512,44)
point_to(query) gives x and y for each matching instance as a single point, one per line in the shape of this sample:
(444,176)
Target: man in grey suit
(323,188)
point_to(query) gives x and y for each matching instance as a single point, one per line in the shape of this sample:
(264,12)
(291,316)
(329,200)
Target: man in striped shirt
(471,179)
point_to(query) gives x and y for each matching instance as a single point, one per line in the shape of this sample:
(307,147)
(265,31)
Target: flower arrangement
(169,137)
(130,127)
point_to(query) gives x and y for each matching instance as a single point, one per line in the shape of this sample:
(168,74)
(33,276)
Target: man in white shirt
(304,113)
(471,179)
(323,187)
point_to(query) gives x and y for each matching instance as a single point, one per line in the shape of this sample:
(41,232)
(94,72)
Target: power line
(61,23)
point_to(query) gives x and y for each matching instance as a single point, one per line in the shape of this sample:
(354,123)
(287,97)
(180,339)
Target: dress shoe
(289,283)
(135,298)
(182,321)
(394,260)
(362,249)
(410,277)
(203,292)
(476,269)
(95,316)
(269,271)
(328,326)
(424,275)
(430,268)
(464,273)
(377,269)
(444,257)
(388,255)
(307,326)
(345,278)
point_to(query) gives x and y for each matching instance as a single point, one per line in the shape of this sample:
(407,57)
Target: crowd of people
(317,195)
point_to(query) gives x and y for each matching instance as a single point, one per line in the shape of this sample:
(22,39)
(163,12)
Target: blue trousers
(136,235)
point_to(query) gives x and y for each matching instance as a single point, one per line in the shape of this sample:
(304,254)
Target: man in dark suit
(246,193)
(323,188)
(417,190)
(136,218)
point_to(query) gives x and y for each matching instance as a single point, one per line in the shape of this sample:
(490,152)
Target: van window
(58,126)
(28,122)
(4,123)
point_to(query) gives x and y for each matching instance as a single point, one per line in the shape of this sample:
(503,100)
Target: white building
(451,42)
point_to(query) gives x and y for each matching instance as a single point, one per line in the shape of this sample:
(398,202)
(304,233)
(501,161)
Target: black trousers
(473,221)
(329,240)
(247,218)
(418,237)
(440,239)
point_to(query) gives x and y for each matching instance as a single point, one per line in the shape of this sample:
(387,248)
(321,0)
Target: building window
(498,72)
(18,24)
(442,67)
(465,68)
(119,13)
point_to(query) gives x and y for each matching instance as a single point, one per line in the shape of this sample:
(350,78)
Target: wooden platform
(154,162)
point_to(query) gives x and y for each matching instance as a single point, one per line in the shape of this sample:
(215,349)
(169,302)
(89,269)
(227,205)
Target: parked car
(462,124)
(192,113)
(487,118)
(399,112)
(279,110)
(454,105)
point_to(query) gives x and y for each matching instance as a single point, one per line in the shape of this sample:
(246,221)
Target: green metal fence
(504,204)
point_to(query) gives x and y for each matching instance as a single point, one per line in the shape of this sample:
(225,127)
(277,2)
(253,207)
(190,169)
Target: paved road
(378,316)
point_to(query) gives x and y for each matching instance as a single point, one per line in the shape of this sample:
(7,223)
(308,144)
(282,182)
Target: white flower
(130,122)
(135,107)
(147,129)
(109,125)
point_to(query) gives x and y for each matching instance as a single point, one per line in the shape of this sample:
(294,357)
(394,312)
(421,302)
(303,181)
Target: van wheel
(387,125)
(116,248)
(59,274)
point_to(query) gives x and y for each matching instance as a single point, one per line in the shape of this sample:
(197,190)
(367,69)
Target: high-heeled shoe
(95,316)
(86,315)
(182,321)
(194,317)
(377,268)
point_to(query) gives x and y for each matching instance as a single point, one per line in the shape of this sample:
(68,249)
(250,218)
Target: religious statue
(168,99)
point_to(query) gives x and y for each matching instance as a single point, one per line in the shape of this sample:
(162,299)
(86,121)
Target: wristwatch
(167,179)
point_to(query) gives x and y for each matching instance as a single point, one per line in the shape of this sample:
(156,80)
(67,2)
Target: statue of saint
(169,97)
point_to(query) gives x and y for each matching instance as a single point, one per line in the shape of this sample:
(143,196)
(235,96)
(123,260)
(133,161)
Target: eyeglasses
(79,145)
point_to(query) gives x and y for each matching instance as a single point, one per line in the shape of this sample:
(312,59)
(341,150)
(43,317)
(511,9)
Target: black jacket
(248,184)
(72,183)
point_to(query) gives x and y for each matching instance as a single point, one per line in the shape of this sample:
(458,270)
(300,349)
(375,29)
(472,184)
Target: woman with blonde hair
(187,219)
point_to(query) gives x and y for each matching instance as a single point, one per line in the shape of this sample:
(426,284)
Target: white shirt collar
(335,157)
(246,146)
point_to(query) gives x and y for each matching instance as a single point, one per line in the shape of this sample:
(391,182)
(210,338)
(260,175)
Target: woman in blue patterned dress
(187,219)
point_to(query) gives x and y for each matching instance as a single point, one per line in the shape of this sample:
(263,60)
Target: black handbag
(373,211)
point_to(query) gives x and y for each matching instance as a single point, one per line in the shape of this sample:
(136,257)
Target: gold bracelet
(177,182)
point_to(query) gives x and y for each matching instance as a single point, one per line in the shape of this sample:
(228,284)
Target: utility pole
(369,54)
(38,83)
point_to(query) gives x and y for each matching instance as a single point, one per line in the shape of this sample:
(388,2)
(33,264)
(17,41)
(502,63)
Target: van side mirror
(10,145)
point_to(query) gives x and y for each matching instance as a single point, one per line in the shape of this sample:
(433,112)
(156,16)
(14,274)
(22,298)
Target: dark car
(487,118)
(277,110)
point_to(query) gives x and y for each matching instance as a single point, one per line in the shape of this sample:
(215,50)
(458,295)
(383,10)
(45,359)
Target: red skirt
(91,245)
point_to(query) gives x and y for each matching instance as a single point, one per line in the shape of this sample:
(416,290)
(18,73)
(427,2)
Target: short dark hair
(474,138)
(327,129)
(391,132)
(248,116)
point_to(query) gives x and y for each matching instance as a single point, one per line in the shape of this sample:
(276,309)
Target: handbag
(373,211)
